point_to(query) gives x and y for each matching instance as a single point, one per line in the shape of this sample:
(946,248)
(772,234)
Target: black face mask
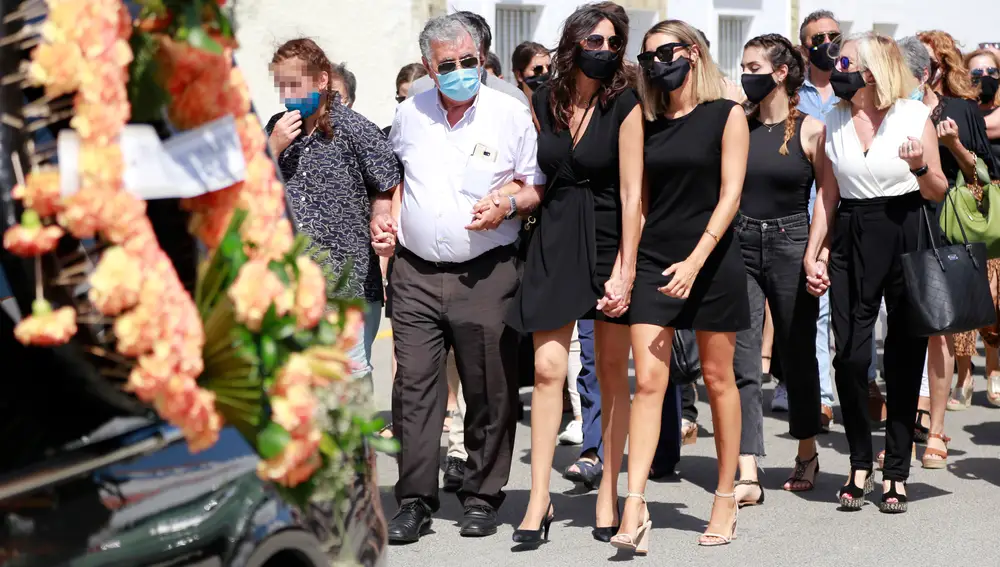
(757,87)
(598,65)
(669,76)
(819,56)
(536,81)
(846,85)
(988,89)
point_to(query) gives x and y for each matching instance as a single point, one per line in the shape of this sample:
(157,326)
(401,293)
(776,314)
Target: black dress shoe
(411,521)
(479,521)
(454,473)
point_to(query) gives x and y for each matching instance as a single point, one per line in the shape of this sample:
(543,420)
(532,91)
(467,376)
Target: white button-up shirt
(446,172)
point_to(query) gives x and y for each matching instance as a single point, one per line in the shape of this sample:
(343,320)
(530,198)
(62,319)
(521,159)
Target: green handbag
(978,208)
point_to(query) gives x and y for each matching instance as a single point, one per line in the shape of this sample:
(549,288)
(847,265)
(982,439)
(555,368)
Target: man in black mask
(819,33)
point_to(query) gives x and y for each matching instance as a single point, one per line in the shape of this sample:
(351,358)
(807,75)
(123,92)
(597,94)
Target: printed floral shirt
(329,184)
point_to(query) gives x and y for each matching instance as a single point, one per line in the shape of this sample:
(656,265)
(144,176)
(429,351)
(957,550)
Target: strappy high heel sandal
(758,501)
(936,458)
(897,507)
(639,544)
(961,397)
(799,475)
(719,538)
(852,496)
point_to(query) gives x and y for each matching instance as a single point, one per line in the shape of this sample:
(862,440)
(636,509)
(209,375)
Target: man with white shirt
(454,275)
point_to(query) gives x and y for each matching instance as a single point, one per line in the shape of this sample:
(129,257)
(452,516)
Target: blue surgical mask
(460,85)
(918,93)
(306,106)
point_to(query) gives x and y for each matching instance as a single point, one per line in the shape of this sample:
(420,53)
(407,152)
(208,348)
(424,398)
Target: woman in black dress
(689,274)
(773,230)
(581,257)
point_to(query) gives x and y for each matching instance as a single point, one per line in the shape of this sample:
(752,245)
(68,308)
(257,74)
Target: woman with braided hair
(773,230)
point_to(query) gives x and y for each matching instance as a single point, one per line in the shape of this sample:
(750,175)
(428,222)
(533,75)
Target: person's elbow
(937,187)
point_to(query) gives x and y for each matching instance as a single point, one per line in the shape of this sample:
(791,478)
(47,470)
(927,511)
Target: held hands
(489,213)
(912,152)
(286,129)
(947,131)
(383,230)
(617,294)
(817,276)
(684,275)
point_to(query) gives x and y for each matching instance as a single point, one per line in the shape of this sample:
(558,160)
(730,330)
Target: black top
(971,132)
(776,186)
(573,248)
(328,183)
(995,142)
(683,166)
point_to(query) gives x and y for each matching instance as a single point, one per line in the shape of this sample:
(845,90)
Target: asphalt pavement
(952,520)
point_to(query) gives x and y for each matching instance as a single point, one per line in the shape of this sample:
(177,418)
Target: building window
(732,36)
(514,25)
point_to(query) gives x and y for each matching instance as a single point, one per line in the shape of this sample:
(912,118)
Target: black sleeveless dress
(683,160)
(573,249)
(776,186)
(995,142)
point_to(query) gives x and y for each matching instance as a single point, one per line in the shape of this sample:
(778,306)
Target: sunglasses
(844,63)
(978,74)
(540,70)
(468,62)
(663,53)
(824,37)
(400,99)
(596,42)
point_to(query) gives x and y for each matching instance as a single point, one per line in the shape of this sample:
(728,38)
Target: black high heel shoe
(605,534)
(539,535)
(852,496)
(897,507)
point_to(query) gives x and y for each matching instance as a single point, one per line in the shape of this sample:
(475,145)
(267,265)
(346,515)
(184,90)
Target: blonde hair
(880,55)
(707,79)
(992,54)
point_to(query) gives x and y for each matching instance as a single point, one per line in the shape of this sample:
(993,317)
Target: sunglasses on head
(663,53)
(824,37)
(467,62)
(595,42)
(978,74)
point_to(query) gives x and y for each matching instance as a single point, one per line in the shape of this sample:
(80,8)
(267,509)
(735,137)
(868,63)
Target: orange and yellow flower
(310,293)
(40,191)
(256,288)
(56,66)
(115,284)
(296,463)
(31,238)
(45,327)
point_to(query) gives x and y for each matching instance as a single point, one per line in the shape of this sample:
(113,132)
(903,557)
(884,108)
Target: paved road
(952,519)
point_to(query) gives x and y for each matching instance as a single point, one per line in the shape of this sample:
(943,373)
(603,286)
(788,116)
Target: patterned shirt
(328,185)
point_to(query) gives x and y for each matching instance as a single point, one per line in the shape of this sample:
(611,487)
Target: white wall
(374,37)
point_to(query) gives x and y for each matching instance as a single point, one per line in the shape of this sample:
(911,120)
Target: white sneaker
(573,434)
(779,403)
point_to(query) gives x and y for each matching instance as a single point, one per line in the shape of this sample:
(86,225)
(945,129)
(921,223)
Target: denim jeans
(772,252)
(823,358)
(361,353)
(590,391)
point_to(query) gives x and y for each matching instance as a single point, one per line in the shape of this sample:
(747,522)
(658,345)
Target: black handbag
(947,286)
(685,364)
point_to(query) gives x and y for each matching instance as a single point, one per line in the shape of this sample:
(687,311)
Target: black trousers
(772,252)
(868,238)
(462,307)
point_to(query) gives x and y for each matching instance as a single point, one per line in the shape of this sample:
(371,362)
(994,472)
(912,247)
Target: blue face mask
(917,94)
(460,85)
(306,106)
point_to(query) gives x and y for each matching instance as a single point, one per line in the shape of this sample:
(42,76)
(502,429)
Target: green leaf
(326,332)
(278,268)
(328,446)
(384,445)
(284,328)
(268,353)
(145,94)
(272,440)
(198,38)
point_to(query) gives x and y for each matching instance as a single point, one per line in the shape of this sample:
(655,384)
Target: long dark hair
(577,27)
(780,51)
(523,54)
(316,62)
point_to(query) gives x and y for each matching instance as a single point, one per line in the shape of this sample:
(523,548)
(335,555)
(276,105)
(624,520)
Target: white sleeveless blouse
(881,173)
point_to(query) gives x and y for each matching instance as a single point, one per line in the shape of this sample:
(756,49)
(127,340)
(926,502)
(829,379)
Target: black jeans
(773,252)
(457,306)
(868,238)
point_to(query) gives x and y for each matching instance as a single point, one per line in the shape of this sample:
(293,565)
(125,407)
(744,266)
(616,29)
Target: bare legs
(612,344)
(551,360)
(940,362)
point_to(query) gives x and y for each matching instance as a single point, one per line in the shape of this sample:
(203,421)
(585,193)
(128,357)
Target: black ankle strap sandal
(897,507)
(852,496)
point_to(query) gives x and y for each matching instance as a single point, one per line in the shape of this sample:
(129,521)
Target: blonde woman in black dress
(689,273)
(581,258)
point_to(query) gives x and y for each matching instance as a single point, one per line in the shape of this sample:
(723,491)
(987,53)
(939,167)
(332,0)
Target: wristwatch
(513,208)
(919,172)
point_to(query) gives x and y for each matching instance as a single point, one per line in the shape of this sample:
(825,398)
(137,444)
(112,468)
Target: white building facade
(376,37)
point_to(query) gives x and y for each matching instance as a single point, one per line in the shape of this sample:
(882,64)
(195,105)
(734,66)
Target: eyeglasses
(596,42)
(824,37)
(467,62)
(400,99)
(978,74)
(663,53)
